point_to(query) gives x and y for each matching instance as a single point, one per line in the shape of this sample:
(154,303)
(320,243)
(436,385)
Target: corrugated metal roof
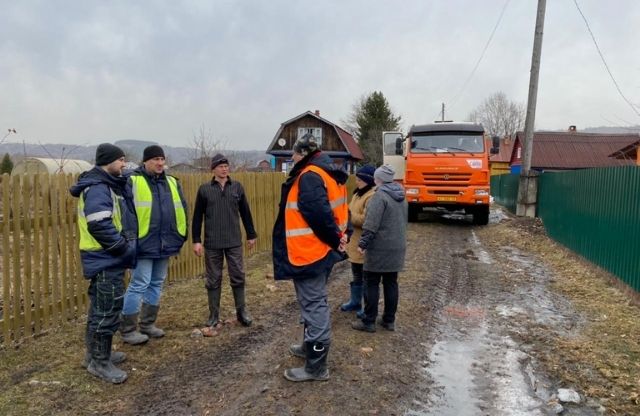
(569,150)
(627,152)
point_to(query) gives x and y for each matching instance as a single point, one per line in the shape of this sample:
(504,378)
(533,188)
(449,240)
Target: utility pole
(442,111)
(529,179)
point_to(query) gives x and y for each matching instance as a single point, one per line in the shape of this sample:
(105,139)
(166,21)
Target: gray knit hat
(384,173)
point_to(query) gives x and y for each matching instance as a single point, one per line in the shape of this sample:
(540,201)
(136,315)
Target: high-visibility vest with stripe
(143,201)
(303,246)
(87,242)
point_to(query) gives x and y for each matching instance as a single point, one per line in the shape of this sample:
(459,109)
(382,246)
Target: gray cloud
(85,72)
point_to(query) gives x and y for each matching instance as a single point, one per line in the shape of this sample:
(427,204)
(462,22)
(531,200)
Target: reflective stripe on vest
(87,242)
(303,246)
(143,201)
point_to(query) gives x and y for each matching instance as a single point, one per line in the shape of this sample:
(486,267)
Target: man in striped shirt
(222,204)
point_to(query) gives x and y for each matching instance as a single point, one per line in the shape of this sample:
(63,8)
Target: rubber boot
(355,303)
(101,365)
(148,316)
(129,330)
(116,356)
(299,350)
(315,366)
(241,311)
(213,296)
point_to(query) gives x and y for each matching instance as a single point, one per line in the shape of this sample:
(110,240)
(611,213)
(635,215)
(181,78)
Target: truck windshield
(448,143)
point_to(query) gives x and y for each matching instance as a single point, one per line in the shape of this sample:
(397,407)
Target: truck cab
(442,165)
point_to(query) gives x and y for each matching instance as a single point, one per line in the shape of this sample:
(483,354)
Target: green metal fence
(596,213)
(504,189)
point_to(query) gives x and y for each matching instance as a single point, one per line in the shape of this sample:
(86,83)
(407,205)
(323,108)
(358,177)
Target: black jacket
(313,203)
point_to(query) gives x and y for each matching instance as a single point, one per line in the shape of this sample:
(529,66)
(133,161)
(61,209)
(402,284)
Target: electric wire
(484,50)
(635,110)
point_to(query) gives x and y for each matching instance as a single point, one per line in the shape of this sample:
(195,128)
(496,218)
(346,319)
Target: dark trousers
(372,294)
(214,262)
(358,273)
(106,297)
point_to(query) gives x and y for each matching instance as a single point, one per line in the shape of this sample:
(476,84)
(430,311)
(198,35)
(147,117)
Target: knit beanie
(218,159)
(365,173)
(385,173)
(151,152)
(107,153)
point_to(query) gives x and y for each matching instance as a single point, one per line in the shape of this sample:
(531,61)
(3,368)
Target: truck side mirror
(495,145)
(399,146)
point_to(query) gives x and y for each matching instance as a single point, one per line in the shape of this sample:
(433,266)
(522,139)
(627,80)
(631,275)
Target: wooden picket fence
(40,270)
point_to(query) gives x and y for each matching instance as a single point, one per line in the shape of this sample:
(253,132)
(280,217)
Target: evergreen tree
(371,116)
(6,166)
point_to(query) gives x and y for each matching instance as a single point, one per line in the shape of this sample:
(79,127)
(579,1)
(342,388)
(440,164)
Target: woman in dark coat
(383,243)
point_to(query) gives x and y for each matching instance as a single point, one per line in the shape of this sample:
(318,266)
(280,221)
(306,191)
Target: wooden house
(334,141)
(499,163)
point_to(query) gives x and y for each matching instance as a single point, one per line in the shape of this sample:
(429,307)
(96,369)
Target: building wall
(330,139)
(500,168)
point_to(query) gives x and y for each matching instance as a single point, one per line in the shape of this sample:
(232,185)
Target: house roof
(627,152)
(571,150)
(347,139)
(506,148)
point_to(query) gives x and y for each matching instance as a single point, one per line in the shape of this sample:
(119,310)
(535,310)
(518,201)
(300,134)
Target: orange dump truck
(442,165)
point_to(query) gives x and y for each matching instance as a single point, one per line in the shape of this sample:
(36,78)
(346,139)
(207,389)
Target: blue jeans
(146,284)
(105,302)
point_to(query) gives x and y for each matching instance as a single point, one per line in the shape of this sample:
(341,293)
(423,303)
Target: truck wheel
(481,215)
(413,213)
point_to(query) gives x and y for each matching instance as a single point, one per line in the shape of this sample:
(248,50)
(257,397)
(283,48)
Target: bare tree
(499,116)
(204,146)
(64,156)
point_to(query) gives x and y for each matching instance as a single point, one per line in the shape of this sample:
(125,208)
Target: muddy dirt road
(460,347)
(488,324)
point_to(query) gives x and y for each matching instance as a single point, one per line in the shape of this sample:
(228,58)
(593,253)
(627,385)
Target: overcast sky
(85,72)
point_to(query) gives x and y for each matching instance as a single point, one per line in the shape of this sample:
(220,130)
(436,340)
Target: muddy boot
(355,303)
(362,326)
(241,311)
(116,356)
(213,296)
(299,350)
(389,326)
(101,365)
(148,316)
(129,330)
(315,366)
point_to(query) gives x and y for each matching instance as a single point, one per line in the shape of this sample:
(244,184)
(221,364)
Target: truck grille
(446,179)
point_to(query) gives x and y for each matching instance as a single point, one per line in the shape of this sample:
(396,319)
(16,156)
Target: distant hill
(132,148)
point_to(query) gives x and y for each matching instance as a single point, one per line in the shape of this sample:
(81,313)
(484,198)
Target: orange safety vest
(303,246)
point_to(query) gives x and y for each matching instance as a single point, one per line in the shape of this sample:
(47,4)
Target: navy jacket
(163,239)
(313,203)
(118,248)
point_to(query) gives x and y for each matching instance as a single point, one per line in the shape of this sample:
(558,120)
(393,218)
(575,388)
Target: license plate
(446,198)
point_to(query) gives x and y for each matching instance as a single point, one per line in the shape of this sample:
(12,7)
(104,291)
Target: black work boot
(299,350)
(148,316)
(241,311)
(101,365)
(116,356)
(213,295)
(315,366)
(129,330)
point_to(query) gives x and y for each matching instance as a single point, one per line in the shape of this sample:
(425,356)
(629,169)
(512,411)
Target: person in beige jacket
(357,208)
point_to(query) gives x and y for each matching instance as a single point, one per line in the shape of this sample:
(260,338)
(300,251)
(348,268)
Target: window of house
(315,131)
(519,153)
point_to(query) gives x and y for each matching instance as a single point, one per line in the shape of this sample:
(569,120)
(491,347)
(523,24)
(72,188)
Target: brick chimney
(572,129)
(317,113)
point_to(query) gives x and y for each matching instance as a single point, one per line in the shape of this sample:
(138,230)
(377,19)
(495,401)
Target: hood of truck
(459,169)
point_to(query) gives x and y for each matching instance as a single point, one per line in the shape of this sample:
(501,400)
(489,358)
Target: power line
(486,46)
(635,110)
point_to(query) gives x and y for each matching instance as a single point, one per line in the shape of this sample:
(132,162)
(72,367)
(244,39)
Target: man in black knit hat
(107,232)
(222,203)
(162,222)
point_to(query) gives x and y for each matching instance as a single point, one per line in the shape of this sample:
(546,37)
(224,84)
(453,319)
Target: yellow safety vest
(303,246)
(143,201)
(87,242)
